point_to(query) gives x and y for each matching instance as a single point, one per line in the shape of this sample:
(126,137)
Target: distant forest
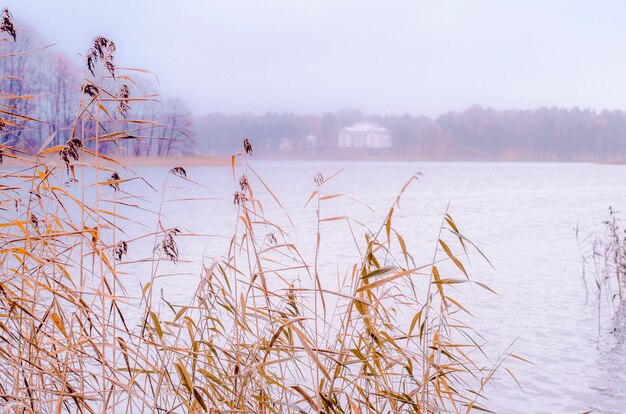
(55,85)
(48,85)
(544,134)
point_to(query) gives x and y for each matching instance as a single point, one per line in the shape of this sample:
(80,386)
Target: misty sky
(381,57)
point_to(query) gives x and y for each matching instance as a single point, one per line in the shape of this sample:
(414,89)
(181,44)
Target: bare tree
(177,120)
(64,83)
(19,78)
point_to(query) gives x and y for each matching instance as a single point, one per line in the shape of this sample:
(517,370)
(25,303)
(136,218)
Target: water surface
(522,215)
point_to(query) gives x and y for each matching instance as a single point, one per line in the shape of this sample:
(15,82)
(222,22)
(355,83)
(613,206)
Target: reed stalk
(261,332)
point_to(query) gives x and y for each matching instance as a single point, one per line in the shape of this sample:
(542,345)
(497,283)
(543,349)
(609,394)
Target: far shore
(175,161)
(197,160)
(204,160)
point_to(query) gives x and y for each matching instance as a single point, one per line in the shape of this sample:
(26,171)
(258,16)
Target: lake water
(522,215)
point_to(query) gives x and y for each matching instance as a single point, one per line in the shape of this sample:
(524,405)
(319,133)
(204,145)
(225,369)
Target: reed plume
(260,333)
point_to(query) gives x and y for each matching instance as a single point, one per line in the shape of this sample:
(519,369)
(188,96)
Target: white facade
(364,135)
(310,141)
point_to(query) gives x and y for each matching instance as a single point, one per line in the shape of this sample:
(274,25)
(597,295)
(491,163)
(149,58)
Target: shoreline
(175,161)
(202,160)
(124,161)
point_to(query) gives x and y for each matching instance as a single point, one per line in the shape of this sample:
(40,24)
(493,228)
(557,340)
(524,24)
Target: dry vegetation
(261,333)
(603,257)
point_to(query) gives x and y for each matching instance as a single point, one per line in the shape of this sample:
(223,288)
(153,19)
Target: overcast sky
(381,57)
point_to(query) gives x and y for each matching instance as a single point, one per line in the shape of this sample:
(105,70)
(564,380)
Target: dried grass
(261,334)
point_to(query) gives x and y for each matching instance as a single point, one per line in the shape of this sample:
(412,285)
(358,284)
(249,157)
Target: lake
(522,216)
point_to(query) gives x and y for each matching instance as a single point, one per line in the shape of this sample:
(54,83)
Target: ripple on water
(522,215)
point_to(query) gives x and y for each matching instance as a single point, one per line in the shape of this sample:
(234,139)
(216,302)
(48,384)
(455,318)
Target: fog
(421,58)
(313,206)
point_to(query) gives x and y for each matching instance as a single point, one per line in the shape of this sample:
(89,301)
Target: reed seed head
(34,219)
(7,24)
(115,177)
(271,239)
(123,97)
(179,172)
(120,249)
(239,198)
(168,245)
(247,147)
(91,89)
(243,183)
(70,181)
(102,49)
(70,151)
(319,179)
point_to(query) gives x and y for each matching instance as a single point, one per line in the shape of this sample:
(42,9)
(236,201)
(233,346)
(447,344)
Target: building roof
(365,127)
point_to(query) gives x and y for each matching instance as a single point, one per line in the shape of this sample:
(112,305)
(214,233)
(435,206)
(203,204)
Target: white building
(364,135)
(310,141)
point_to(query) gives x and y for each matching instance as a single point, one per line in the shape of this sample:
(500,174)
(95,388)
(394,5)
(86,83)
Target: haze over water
(429,82)
(421,58)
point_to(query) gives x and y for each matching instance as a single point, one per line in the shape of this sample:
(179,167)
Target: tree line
(544,134)
(48,86)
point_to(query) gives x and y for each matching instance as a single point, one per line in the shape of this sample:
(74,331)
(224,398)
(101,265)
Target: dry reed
(261,333)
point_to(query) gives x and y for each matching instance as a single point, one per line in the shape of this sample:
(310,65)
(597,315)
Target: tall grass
(603,256)
(261,333)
